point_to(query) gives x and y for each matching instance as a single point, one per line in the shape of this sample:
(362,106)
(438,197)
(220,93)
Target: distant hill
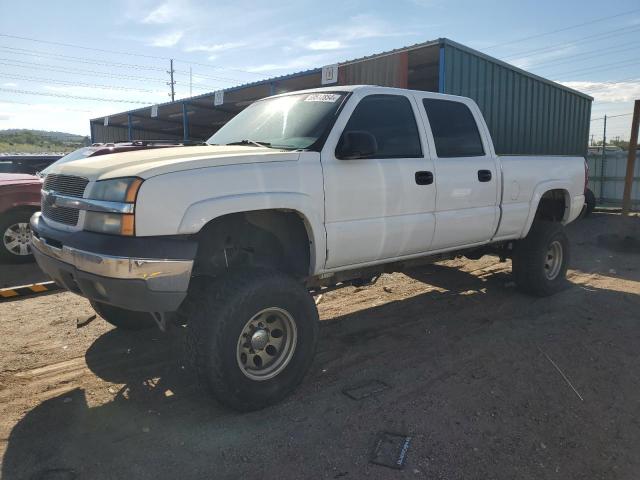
(39,141)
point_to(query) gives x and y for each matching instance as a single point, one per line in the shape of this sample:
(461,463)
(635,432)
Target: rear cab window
(391,120)
(455,132)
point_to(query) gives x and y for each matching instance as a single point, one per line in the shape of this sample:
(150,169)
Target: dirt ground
(487,382)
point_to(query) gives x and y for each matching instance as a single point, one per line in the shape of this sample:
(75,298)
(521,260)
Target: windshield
(293,121)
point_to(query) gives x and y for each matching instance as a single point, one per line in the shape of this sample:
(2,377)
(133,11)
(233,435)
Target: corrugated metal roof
(446,41)
(440,41)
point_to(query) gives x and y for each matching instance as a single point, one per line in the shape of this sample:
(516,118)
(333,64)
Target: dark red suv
(19,199)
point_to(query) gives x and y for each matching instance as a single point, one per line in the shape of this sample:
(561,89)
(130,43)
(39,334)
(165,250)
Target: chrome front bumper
(159,275)
(133,283)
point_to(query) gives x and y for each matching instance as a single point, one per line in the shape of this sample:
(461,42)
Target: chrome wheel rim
(553,260)
(16,239)
(266,344)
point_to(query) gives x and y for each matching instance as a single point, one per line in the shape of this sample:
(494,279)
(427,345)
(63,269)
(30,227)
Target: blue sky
(228,43)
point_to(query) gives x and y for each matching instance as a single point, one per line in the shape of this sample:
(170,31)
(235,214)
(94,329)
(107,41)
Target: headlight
(111,223)
(116,190)
(120,190)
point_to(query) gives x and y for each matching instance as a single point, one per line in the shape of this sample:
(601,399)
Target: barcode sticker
(322,97)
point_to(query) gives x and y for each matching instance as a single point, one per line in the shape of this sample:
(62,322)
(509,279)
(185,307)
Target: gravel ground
(487,382)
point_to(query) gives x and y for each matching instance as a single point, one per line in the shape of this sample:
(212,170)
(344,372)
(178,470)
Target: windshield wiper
(251,142)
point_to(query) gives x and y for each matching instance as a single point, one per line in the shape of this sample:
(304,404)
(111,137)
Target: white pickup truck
(298,194)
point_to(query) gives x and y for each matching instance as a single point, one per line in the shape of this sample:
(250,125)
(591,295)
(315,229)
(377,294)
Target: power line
(587,39)
(75,59)
(612,116)
(54,105)
(564,29)
(63,95)
(582,56)
(210,77)
(208,88)
(117,52)
(611,66)
(93,73)
(73,84)
(55,68)
(611,83)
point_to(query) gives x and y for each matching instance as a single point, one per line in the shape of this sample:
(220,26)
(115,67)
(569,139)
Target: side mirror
(356,144)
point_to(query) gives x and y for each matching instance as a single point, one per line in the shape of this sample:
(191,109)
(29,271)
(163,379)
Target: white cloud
(325,45)
(214,47)
(297,63)
(541,58)
(9,84)
(424,3)
(364,26)
(614,92)
(166,40)
(162,14)
(358,27)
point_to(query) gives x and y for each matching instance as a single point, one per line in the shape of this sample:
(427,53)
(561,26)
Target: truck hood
(149,163)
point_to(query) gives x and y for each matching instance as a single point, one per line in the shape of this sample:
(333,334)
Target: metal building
(526,114)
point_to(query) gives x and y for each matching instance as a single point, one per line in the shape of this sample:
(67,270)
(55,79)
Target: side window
(389,121)
(454,129)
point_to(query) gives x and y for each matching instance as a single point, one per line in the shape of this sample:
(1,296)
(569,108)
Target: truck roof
(370,88)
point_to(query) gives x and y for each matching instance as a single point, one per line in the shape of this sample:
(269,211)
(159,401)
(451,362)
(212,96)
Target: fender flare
(200,213)
(539,192)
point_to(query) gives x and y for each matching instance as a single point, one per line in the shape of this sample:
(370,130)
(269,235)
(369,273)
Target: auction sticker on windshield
(322,97)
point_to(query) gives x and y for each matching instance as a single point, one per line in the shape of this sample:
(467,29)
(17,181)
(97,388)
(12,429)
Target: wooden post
(631,159)
(602,160)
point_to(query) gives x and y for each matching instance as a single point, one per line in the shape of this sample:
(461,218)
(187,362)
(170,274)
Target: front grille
(68,216)
(64,185)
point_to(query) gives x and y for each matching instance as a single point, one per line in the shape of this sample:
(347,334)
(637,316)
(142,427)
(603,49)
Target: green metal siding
(525,114)
(113,133)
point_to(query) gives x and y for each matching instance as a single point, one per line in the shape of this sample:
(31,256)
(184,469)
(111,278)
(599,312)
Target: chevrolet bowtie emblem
(49,198)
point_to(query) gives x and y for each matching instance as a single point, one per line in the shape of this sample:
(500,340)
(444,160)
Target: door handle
(424,178)
(484,175)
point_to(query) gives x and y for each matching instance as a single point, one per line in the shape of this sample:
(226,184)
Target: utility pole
(190,83)
(604,157)
(172,83)
(592,135)
(631,159)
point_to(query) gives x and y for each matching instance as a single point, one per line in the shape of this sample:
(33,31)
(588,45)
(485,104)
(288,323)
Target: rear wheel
(16,237)
(123,319)
(251,336)
(589,202)
(541,259)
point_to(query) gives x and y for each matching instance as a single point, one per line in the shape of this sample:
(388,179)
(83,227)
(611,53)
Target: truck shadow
(158,423)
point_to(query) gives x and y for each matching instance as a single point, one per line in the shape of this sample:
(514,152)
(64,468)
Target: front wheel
(123,319)
(252,336)
(540,260)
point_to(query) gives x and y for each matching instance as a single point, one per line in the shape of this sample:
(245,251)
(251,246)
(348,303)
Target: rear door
(466,172)
(382,206)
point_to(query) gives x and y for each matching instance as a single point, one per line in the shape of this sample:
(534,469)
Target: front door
(382,206)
